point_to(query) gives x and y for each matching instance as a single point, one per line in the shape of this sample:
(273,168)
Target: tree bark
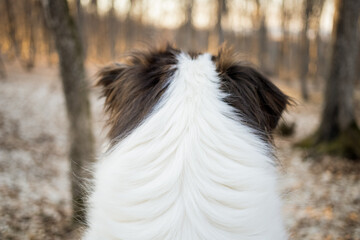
(68,45)
(338,112)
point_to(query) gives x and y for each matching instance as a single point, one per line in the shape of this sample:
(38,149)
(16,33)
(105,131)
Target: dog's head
(132,89)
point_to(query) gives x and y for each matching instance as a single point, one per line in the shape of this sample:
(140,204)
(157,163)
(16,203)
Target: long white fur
(190,171)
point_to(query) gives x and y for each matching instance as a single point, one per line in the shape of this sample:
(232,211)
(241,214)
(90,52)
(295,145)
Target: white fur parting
(190,171)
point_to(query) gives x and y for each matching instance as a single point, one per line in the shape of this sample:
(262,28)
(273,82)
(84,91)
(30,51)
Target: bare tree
(12,28)
(30,10)
(320,60)
(129,27)
(94,4)
(338,132)
(221,9)
(2,67)
(304,49)
(186,33)
(112,29)
(94,23)
(47,39)
(3,74)
(260,24)
(68,45)
(282,60)
(189,28)
(81,25)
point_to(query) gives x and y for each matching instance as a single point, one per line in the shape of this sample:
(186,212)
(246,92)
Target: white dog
(191,151)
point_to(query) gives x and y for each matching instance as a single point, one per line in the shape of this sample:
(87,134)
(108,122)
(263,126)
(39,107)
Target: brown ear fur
(251,93)
(131,89)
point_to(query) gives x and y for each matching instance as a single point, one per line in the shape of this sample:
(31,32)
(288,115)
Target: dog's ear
(254,96)
(109,77)
(132,89)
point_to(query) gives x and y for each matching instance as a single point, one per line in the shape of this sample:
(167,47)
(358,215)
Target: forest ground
(321,195)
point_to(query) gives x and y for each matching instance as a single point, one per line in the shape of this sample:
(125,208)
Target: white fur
(191,170)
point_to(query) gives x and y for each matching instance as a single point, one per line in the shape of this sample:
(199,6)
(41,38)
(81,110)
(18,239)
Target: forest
(52,122)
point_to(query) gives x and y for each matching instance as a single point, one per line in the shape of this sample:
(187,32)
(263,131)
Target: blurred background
(52,123)
(268,33)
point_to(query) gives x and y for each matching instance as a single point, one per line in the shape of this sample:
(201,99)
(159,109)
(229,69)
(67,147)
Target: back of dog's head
(133,88)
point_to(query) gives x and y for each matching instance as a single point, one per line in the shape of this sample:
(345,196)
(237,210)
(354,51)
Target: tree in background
(22,18)
(2,67)
(70,52)
(338,133)
(12,28)
(81,25)
(31,12)
(304,49)
(113,26)
(130,27)
(185,37)
(282,59)
(310,54)
(260,25)
(221,9)
(320,59)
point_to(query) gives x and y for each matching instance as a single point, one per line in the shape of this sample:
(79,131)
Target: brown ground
(321,196)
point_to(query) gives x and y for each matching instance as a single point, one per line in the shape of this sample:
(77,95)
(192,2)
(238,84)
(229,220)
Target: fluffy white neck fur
(191,170)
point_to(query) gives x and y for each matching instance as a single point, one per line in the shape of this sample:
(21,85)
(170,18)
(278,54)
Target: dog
(191,153)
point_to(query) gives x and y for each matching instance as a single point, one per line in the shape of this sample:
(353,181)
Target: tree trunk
(68,45)
(262,49)
(81,25)
(283,60)
(218,27)
(185,36)
(94,43)
(30,10)
(320,60)
(304,50)
(338,113)
(129,27)
(112,30)
(338,132)
(12,28)
(47,38)
(2,67)
(189,29)
(260,44)
(96,31)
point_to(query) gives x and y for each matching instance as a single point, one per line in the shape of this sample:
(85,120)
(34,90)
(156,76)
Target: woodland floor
(321,196)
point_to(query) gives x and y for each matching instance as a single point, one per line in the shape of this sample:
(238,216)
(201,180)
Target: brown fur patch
(131,89)
(257,99)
